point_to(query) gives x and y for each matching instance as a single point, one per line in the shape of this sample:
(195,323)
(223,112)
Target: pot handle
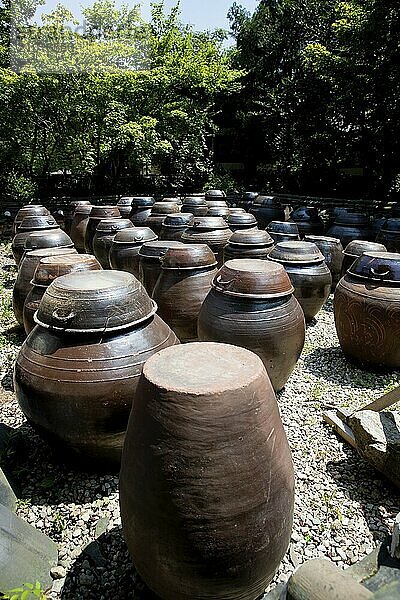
(376,274)
(64,319)
(222,283)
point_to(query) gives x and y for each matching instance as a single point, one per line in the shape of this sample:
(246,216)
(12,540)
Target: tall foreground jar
(206,485)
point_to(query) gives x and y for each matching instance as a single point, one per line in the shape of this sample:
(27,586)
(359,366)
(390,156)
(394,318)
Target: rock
(58,572)
(378,441)
(93,551)
(101,526)
(7,496)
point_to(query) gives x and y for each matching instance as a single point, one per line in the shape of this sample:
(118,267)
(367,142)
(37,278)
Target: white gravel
(343,507)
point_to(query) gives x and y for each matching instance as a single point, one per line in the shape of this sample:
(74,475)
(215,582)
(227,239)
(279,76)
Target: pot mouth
(188,256)
(358,247)
(253,278)
(296,252)
(377,267)
(135,235)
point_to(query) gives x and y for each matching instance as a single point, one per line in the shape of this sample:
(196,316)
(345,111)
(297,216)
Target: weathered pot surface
(350,226)
(238,221)
(29,210)
(29,225)
(52,238)
(73,205)
(196,206)
(248,243)
(174,225)
(213,231)
(283,231)
(79,224)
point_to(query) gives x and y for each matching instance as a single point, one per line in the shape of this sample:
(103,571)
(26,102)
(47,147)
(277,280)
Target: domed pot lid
(37,222)
(351,219)
(218,211)
(379,267)
(237,211)
(164,208)
(209,223)
(392,225)
(110,225)
(266,201)
(358,247)
(31,209)
(188,256)
(38,239)
(83,209)
(104,212)
(158,248)
(242,219)
(194,201)
(296,252)
(283,227)
(52,267)
(251,237)
(138,201)
(94,301)
(178,220)
(172,199)
(253,279)
(215,194)
(135,236)
(125,201)
(216,203)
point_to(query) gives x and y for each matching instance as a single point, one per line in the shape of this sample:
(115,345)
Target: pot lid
(110,225)
(379,267)
(391,225)
(296,252)
(322,240)
(135,236)
(242,219)
(158,248)
(178,220)
(84,209)
(216,204)
(51,267)
(104,212)
(251,237)
(209,223)
(188,256)
(47,239)
(266,201)
(37,222)
(215,194)
(305,213)
(283,227)
(194,201)
(172,199)
(237,211)
(164,208)
(37,255)
(358,247)
(125,201)
(31,209)
(94,301)
(142,201)
(253,279)
(218,211)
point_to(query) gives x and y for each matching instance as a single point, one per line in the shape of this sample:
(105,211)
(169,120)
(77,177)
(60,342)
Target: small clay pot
(159,212)
(29,225)
(196,206)
(213,231)
(308,221)
(124,251)
(283,231)
(149,261)
(241,221)
(174,225)
(97,214)
(249,243)
(55,238)
(141,210)
(73,205)
(29,210)
(356,249)
(79,224)
(389,235)
(332,250)
(103,237)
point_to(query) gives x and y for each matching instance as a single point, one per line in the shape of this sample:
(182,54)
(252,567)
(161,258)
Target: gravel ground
(343,507)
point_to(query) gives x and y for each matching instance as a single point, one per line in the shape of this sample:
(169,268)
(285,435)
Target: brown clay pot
(356,249)
(141,210)
(213,231)
(29,225)
(252,305)
(389,235)
(103,237)
(267,209)
(79,224)
(308,221)
(306,267)
(206,484)
(76,374)
(97,214)
(73,205)
(283,231)
(48,269)
(184,282)
(332,250)
(27,268)
(55,238)
(149,261)
(174,226)
(124,251)
(195,206)
(158,214)
(241,221)
(29,210)
(249,243)
(367,310)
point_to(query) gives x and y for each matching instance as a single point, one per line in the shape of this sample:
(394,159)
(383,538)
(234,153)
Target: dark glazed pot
(218,211)
(350,226)
(158,214)
(103,237)
(367,310)
(29,225)
(141,210)
(389,235)
(306,267)
(252,305)
(73,205)
(246,200)
(356,249)
(124,252)
(213,231)
(55,238)
(149,261)
(185,280)
(23,283)
(196,206)
(29,210)
(216,204)
(196,517)
(308,221)
(240,221)
(76,374)
(283,231)
(332,250)
(48,269)
(79,224)
(174,225)
(211,195)
(267,209)
(125,206)
(249,243)
(97,214)
(172,199)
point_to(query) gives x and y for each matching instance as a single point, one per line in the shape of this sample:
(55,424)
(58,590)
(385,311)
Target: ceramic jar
(158,214)
(73,205)
(103,237)
(267,209)
(125,206)
(308,221)
(184,282)
(206,484)
(78,225)
(48,269)
(241,221)
(77,372)
(332,250)
(367,310)
(306,267)
(29,210)
(124,251)
(141,210)
(196,206)
(216,204)
(149,261)
(350,226)
(283,231)
(213,195)
(213,231)
(252,305)
(246,200)
(55,238)
(29,225)
(218,211)
(175,225)
(389,235)
(357,248)
(248,243)
(97,214)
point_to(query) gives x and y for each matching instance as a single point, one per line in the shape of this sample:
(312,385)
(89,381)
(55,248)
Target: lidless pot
(103,237)
(124,252)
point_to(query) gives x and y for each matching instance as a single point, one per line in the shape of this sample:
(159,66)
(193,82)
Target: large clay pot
(29,210)
(172,199)
(356,249)
(185,280)
(308,272)
(55,238)
(252,305)
(367,310)
(73,205)
(218,211)
(149,261)
(23,285)
(332,250)
(336,212)
(213,231)
(195,206)
(97,214)
(350,226)
(389,235)
(29,225)
(76,374)
(48,269)
(267,209)
(241,221)
(158,214)
(249,243)
(125,206)
(175,225)
(124,251)
(308,221)
(141,210)
(103,237)
(211,195)
(283,231)
(79,224)
(206,485)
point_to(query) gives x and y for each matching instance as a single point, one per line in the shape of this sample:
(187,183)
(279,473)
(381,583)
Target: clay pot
(213,231)
(174,225)
(76,374)
(241,221)
(97,214)
(306,267)
(141,210)
(283,231)
(196,206)
(73,205)
(356,249)
(249,243)
(211,195)
(55,238)
(389,235)
(237,211)
(350,226)
(149,261)
(218,211)
(252,305)
(206,485)
(29,225)
(246,200)
(48,269)
(124,251)
(23,285)
(103,237)
(29,210)
(376,225)
(367,310)
(158,214)
(172,199)
(125,206)
(308,221)
(79,224)
(332,250)
(267,209)
(216,204)
(185,280)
